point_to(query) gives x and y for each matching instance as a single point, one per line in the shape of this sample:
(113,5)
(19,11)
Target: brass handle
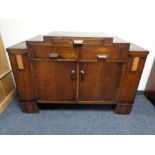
(72,75)
(102,56)
(82,75)
(78,42)
(53,55)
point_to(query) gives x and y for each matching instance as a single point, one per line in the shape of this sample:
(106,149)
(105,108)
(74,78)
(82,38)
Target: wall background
(131,20)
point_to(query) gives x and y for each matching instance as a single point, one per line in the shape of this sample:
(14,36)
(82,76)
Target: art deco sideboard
(77,68)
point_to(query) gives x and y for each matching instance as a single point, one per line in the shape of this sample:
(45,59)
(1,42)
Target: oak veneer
(77,68)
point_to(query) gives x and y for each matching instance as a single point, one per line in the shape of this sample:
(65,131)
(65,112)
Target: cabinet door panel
(55,81)
(99,81)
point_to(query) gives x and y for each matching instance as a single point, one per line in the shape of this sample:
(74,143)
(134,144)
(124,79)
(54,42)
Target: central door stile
(78,74)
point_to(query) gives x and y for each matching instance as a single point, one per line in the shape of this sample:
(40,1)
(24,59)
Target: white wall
(131,20)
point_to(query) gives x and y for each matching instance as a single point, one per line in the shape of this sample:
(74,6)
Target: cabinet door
(54,81)
(99,81)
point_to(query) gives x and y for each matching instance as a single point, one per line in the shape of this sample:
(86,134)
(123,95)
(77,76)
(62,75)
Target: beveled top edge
(77,34)
(22,45)
(134,47)
(37,38)
(119,40)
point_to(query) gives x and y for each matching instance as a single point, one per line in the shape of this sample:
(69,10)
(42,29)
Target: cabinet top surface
(78,34)
(22,45)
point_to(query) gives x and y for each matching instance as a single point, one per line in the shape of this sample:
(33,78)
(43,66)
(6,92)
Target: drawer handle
(82,75)
(78,42)
(102,56)
(72,75)
(53,55)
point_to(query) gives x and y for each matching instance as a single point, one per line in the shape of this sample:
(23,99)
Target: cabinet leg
(29,107)
(123,109)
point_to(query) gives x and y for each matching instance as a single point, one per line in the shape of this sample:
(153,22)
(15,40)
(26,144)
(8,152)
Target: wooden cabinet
(72,68)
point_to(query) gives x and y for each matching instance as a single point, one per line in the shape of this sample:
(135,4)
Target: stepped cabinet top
(76,35)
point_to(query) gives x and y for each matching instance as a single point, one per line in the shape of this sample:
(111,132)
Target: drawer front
(86,40)
(52,51)
(111,53)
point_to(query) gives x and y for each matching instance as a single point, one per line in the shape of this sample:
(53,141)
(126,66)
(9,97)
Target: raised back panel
(88,37)
(86,41)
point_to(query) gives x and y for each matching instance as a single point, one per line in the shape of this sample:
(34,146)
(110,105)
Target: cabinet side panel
(23,78)
(131,80)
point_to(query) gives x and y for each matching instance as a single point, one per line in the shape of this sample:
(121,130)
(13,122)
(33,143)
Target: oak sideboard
(77,68)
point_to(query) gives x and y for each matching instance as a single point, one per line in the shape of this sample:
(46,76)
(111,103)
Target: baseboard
(7,100)
(140,92)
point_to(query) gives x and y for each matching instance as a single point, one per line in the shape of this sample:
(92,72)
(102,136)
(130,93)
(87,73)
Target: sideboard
(77,68)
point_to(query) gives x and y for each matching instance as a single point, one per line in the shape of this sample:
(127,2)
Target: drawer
(111,53)
(52,51)
(85,41)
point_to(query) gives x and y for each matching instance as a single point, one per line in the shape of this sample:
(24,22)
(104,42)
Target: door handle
(78,42)
(72,75)
(53,55)
(102,56)
(82,75)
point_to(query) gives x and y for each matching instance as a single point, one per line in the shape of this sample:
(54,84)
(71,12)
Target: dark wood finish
(123,108)
(44,50)
(150,86)
(88,38)
(113,52)
(29,107)
(77,68)
(59,84)
(130,80)
(97,78)
(23,78)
